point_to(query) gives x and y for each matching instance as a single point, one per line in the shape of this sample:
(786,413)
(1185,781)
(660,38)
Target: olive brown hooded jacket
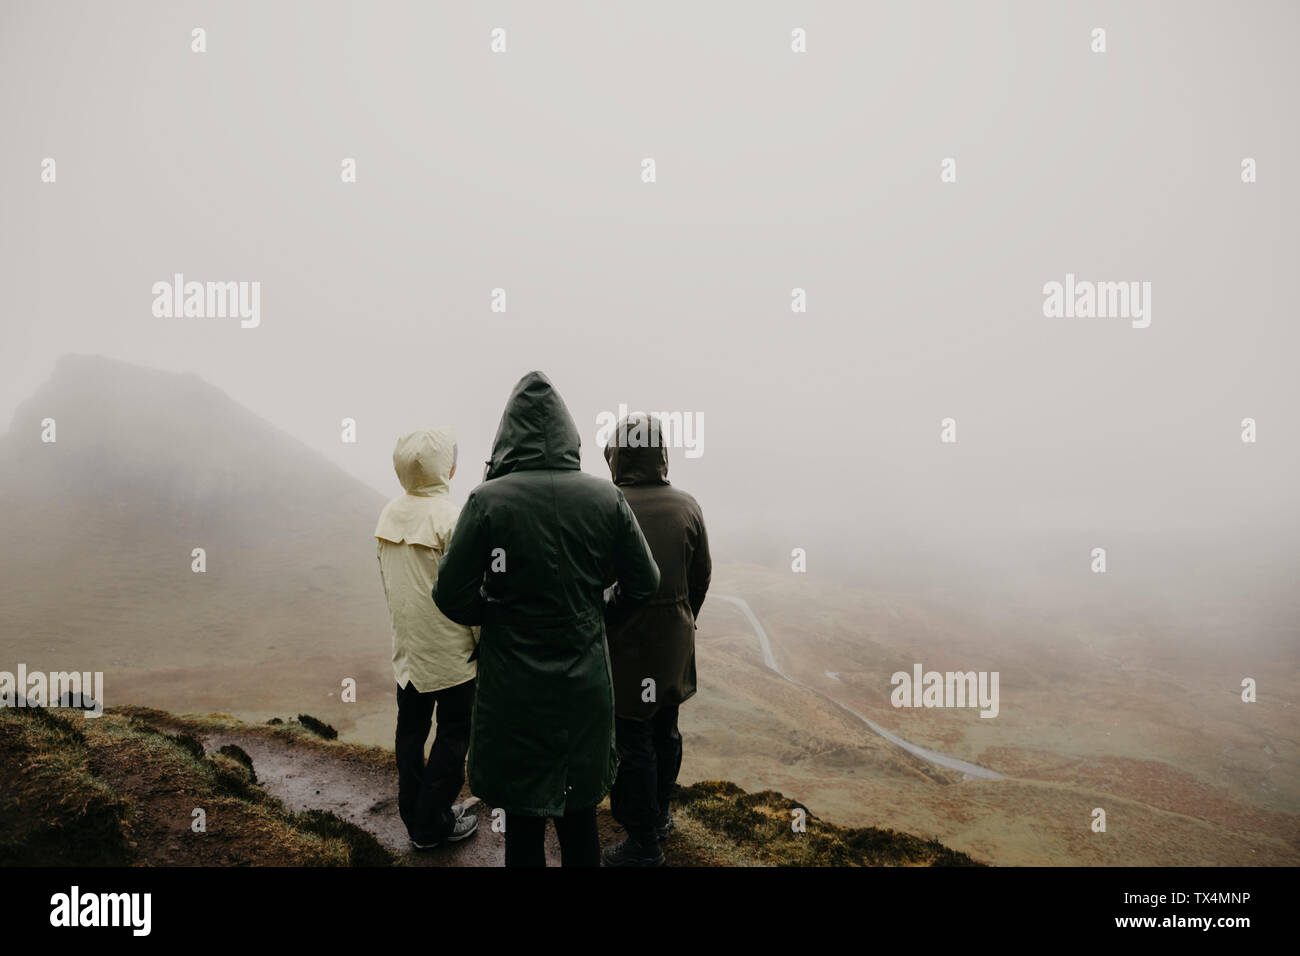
(657,640)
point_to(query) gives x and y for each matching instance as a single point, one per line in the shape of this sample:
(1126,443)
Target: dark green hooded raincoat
(535,548)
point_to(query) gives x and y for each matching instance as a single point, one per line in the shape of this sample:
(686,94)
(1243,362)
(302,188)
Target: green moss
(762,828)
(238,754)
(318,727)
(363,848)
(189,743)
(53,811)
(232,778)
(82,794)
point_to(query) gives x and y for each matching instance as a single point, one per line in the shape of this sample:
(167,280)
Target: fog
(775,171)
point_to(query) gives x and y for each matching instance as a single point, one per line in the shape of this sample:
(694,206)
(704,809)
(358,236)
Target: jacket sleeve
(634,565)
(701,570)
(457,592)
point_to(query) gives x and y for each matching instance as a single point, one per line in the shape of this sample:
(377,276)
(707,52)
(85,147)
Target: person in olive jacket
(653,650)
(536,549)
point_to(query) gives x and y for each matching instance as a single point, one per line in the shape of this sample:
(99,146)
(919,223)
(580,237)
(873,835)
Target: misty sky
(775,170)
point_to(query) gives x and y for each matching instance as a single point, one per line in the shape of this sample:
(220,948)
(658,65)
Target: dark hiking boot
(664,826)
(632,852)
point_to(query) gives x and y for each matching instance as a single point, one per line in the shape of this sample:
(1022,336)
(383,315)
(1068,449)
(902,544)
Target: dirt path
(305,777)
(363,792)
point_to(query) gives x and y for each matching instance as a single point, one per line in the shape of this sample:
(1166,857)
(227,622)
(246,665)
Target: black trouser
(425,793)
(579,842)
(649,756)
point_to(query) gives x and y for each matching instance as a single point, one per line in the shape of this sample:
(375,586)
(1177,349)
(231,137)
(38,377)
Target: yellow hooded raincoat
(429,650)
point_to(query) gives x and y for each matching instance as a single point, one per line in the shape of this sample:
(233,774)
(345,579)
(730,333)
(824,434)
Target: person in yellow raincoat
(432,656)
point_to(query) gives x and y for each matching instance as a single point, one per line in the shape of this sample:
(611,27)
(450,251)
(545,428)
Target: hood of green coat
(636,452)
(536,431)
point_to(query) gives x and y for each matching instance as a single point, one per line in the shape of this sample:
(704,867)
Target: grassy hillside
(121,789)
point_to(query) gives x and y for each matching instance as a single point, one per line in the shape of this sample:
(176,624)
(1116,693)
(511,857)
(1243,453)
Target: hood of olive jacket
(636,453)
(536,431)
(423,461)
(658,640)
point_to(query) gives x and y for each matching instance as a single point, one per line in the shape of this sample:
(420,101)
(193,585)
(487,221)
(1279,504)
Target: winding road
(933,756)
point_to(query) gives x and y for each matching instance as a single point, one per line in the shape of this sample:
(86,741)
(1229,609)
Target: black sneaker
(630,852)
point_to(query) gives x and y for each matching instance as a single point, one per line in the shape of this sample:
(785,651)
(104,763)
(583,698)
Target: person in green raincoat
(541,557)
